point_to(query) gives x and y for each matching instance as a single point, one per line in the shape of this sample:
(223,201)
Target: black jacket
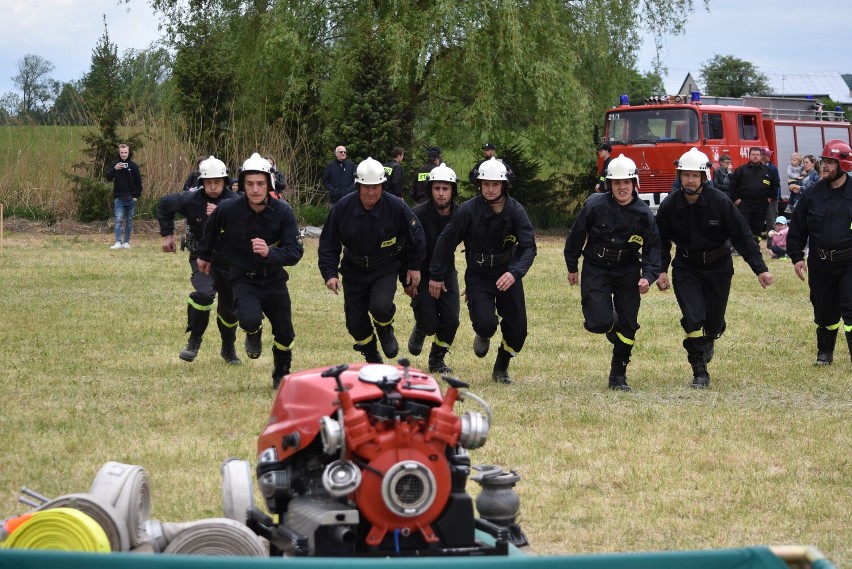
(754,183)
(420,185)
(192,205)
(722,181)
(394,173)
(234,224)
(433,224)
(380,234)
(339,179)
(823,215)
(603,223)
(126,182)
(711,223)
(509,233)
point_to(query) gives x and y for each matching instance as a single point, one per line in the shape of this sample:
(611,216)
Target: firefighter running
(703,223)
(618,238)
(436,316)
(500,247)
(197,206)
(824,216)
(371,229)
(257,236)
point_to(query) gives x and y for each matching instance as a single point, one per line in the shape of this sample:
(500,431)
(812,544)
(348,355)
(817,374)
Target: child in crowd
(778,238)
(794,176)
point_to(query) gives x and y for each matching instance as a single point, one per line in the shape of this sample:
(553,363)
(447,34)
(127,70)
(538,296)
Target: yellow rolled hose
(60,529)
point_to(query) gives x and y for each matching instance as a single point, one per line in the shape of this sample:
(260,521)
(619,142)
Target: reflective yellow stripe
(195,305)
(283,347)
(848,328)
(438,342)
(695,334)
(507,348)
(625,339)
(228,324)
(834,326)
(256,331)
(377,323)
(365,341)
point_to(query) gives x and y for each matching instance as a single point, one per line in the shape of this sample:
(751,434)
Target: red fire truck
(656,133)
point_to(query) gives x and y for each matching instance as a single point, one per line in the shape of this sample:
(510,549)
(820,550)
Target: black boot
(281,360)
(436,359)
(618,373)
(389,344)
(229,338)
(710,349)
(500,374)
(480,345)
(254,345)
(370,351)
(825,346)
(191,350)
(415,341)
(700,376)
(849,343)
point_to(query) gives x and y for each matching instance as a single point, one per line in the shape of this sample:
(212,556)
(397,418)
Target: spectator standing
(420,185)
(436,316)
(194,179)
(703,224)
(394,173)
(126,189)
(371,231)
(775,197)
(500,248)
(197,206)
(824,216)
(339,176)
(604,151)
(257,237)
(753,188)
(722,175)
(618,238)
(280,180)
(777,241)
(488,152)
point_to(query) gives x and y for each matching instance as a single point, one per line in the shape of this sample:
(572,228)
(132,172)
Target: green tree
(103,96)
(69,107)
(641,86)
(729,76)
(37,88)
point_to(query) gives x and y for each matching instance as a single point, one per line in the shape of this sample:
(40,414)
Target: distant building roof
(831,85)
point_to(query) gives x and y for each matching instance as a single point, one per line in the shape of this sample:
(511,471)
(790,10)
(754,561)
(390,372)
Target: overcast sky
(778,36)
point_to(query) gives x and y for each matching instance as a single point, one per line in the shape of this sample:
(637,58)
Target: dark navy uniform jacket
(712,223)
(234,224)
(433,224)
(504,240)
(823,214)
(192,205)
(371,241)
(604,227)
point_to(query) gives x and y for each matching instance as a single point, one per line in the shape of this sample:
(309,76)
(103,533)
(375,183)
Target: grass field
(89,340)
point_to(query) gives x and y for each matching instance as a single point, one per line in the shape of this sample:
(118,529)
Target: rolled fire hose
(212,537)
(111,521)
(125,487)
(61,529)
(237,491)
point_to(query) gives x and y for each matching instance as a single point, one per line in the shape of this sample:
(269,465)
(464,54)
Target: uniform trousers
(438,316)
(604,289)
(254,297)
(365,295)
(702,295)
(831,290)
(489,307)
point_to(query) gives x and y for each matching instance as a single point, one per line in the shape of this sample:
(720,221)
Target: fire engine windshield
(651,126)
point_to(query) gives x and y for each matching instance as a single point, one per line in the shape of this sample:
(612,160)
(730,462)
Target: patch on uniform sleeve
(415,224)
(389,242)
(636,239)
(510,239)
(766,182)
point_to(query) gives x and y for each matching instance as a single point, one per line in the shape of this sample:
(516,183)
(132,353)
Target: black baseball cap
(488,146)
(434,152)
(605,146)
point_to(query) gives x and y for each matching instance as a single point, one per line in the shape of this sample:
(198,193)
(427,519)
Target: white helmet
(622,168)
(370,172)
(443,173)
(694,161)
(257,163)
(493,169)
(212,168)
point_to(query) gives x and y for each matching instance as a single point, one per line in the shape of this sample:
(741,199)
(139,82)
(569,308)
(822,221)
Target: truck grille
(655,182)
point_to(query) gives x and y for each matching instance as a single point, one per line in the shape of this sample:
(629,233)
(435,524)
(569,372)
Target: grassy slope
(89,340)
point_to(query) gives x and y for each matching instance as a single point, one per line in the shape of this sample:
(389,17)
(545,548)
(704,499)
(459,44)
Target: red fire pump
(372,460)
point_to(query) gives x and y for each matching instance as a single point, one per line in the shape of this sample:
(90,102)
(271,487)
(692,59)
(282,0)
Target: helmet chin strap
(692,192)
